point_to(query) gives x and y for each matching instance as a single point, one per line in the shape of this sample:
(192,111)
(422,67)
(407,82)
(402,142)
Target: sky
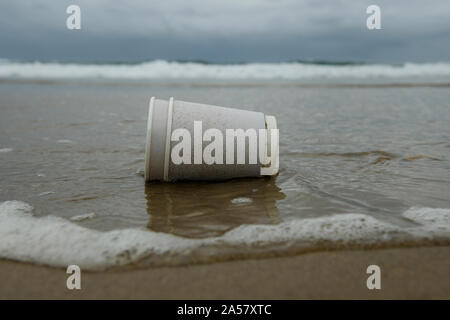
(226,31)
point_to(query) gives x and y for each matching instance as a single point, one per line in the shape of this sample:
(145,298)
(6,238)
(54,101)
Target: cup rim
(148,142)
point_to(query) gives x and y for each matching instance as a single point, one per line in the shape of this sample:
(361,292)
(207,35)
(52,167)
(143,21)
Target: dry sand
(406,273)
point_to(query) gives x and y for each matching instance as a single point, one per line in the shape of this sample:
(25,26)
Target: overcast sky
(226,30)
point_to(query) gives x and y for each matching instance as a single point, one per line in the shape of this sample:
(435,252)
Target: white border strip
(168,136)
(148,143)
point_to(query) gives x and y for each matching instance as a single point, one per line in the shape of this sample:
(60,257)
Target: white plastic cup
(165,117)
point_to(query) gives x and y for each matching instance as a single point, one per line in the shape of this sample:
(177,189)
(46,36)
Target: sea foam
(58,242)
(160,69)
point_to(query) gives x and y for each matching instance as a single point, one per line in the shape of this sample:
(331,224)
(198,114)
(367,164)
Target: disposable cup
(193,141)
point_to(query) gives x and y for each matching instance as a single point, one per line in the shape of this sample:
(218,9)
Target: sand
(406,273)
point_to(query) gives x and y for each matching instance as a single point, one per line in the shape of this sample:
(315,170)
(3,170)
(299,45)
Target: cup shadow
(209,209)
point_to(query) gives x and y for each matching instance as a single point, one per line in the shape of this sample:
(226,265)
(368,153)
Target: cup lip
(148,142)
(271,123)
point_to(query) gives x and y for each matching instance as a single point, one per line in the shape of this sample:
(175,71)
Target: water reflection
(200,209)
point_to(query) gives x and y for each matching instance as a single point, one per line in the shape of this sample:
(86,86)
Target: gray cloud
(226,30)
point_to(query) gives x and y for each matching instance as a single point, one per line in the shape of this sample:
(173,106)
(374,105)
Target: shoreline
(406,273)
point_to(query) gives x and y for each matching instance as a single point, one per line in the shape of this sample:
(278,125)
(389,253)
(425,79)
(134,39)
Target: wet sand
(406,273)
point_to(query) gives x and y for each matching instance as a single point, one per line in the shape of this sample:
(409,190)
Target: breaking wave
(58,242)
(160,69)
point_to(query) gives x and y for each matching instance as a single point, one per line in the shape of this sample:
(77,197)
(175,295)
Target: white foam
(58,242)
(45,193)
(160,69)
(5,150)
(435,222)
(83,217)
(241,200)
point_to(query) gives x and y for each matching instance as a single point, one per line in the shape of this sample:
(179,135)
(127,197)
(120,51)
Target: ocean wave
(160,69)
(58,242)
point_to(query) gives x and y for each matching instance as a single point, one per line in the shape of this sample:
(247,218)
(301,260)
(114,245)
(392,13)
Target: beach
(225,151)
(364,161)
(406,273)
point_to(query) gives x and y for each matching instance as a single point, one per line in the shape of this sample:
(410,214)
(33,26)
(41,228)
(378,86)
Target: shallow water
(75,150)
